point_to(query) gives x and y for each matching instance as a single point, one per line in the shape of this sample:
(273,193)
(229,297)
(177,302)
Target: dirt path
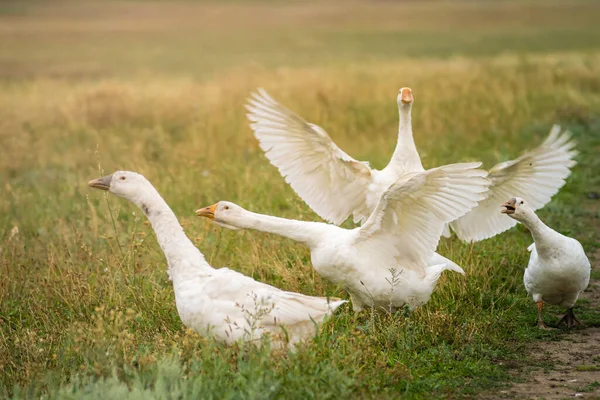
(575,359)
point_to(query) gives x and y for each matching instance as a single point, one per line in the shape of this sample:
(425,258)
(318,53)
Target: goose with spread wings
(336,186)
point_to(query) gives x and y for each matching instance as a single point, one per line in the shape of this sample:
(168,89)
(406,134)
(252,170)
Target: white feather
(332,183)
(536,175)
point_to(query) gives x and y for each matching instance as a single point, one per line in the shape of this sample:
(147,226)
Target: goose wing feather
(537,175)
(332,183)
(409,219)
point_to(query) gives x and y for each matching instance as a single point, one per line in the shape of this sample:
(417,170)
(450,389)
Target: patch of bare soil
(574,361)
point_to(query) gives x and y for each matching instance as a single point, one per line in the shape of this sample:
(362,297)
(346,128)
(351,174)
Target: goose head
(225,214)
(405,98)
(126,184)
(517,208)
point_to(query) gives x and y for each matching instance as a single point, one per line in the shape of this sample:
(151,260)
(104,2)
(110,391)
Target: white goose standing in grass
(335,185)
(389,261)
(219,302)
(558,270)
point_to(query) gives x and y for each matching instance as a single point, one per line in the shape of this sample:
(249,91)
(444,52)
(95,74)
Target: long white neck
(309,233)
(182,256)
(542,234)
(406,157)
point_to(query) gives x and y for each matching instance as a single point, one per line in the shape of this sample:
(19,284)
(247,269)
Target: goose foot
(570,319)
(541,324)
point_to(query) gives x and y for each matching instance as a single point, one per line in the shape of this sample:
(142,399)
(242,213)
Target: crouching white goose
(219,302)
(558,270)
(335,185)
(389,261)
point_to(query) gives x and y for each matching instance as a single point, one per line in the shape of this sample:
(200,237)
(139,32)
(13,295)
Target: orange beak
(509,207)
(406,96)
(208,212)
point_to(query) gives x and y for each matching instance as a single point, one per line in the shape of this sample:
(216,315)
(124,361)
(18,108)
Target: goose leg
(577,322)
(569,319)
(541,323)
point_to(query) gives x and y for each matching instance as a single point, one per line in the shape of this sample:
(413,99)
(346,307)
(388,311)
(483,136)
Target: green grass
(86,309)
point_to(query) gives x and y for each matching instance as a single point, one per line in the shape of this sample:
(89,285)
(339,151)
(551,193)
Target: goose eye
(521,202)
(226,207)
(122,178)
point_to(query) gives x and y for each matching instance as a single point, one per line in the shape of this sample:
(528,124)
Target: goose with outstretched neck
(336,186)
(221,303)
(390,261)
(558,270)
(331,182)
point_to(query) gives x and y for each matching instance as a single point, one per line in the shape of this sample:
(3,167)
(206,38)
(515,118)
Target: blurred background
(88,40)
(158,87)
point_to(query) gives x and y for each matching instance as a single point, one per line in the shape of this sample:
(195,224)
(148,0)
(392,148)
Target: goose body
(221,303)
(389,261)
(336,186)
(558,270)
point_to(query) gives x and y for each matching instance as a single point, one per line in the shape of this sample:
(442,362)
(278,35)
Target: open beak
(406,96)
(208,212)
(101,183)
(509,207)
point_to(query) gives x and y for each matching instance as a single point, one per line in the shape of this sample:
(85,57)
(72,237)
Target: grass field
(86,308)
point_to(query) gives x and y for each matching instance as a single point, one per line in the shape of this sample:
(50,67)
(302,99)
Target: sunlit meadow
(86,308)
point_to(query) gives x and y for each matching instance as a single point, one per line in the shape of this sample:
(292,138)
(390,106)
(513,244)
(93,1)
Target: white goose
(219,302)
(335,185)
(558,270)
(389,261)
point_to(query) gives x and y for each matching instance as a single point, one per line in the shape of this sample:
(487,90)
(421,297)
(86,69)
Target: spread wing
(331,182)
(409,219)
(536,176)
